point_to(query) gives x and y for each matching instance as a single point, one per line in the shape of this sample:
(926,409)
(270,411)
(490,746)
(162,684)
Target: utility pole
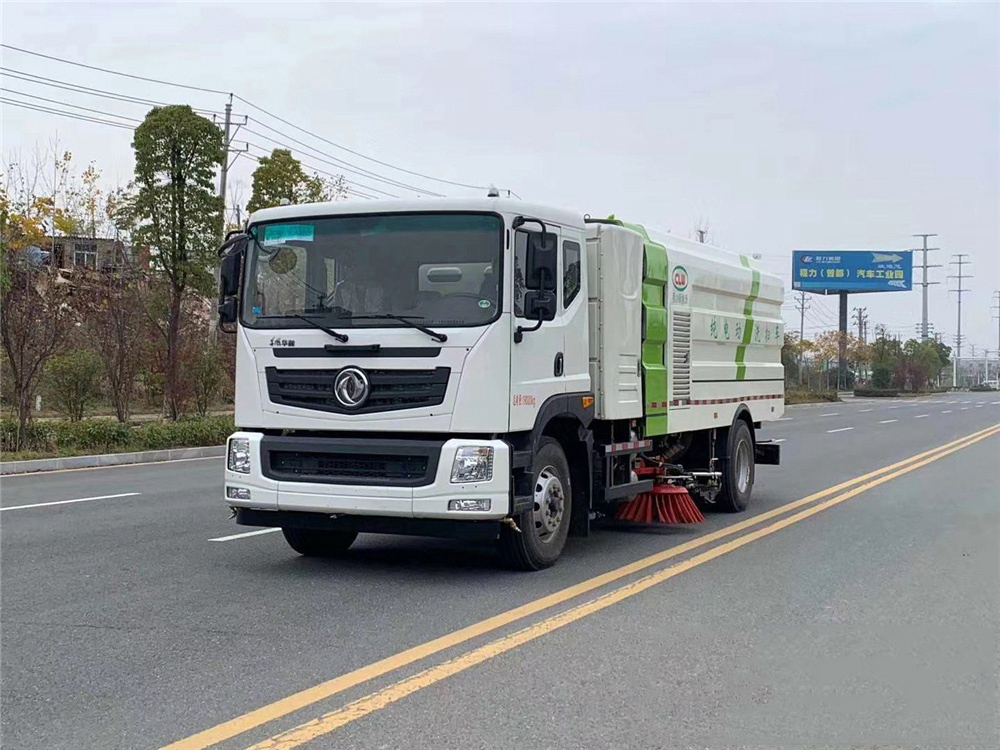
(225,162)
(228,135)
(802,305)
(55,183)
(961,262)
(842,355)
(924,335)
(861,318)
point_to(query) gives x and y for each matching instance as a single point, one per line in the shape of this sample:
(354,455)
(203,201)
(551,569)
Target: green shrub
(72,382)
(881,377)
(981,387)
(106,436)
(876,392)
(796,396)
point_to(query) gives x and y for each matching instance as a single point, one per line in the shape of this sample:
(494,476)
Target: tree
(35,318)
(280,177)
(920,363)
(72,381)
(177,214)
(206,370)
(116,327)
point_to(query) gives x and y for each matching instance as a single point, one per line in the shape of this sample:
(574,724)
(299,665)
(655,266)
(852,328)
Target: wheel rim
(550,504)
(743,466)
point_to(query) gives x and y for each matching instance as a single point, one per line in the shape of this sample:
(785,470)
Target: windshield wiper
(405,320)
(341,337)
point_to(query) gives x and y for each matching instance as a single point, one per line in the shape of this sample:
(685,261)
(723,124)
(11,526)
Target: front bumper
(426,498)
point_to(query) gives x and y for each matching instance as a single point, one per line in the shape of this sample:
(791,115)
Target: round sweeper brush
(665,503)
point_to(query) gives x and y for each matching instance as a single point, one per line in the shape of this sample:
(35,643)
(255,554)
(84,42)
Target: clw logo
(680,278)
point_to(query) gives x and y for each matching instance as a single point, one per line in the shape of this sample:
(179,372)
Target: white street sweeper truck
(490,369)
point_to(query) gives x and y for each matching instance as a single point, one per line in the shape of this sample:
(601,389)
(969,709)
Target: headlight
(239,455)
(472,464)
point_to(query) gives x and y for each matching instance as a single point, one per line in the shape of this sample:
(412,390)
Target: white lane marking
(888,421)
(965,408)
(67,502)
(244,535)
(841,429)
(779,440)
(994,403)
(864,410)
(946,411)
(831,414)
(784,419)
(921,416)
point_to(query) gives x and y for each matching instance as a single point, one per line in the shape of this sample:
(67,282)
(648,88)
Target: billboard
(854,271)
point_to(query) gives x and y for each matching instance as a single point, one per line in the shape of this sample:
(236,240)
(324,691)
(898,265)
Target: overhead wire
(340,162)
(68,104)
(71,115)
(357,153)
(251,104)
(89,91)
(115,72)
(319,170)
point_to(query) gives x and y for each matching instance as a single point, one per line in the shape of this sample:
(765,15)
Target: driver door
(537,363)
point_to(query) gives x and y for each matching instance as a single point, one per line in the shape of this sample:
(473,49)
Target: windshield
(440,270)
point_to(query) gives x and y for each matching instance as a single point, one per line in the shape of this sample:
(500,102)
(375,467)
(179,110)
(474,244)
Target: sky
(776,126)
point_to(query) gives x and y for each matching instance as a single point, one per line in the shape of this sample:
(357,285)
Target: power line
(89,91)
(334,162)
(358,153)
(67,104)
(115,72)
(71,115)
(330,174)
(249,104)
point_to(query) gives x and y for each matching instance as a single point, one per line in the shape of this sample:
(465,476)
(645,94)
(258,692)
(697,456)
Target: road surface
(134,614)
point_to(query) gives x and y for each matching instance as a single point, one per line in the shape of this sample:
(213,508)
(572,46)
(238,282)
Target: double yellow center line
(375,701)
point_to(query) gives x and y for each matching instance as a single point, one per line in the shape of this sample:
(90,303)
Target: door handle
(559,365)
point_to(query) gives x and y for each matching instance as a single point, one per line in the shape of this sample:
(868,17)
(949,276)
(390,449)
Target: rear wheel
(319,542)
(737,470)
(544,527)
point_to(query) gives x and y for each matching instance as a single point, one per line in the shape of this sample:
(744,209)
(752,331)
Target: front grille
(341,460)
(348,468)
(390,389)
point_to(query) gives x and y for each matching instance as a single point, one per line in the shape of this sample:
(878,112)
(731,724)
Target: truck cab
(418,367)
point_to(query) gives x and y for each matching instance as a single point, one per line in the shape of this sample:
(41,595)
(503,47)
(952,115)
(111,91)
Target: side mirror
(540,305)
(228,311)
(229,275)
(232,253)
(542,260)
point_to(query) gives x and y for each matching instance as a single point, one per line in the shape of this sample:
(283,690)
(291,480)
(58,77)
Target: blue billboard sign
(833,271)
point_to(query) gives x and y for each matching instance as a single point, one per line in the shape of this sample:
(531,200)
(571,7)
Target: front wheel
(542,529)
(737,470)
(319,542)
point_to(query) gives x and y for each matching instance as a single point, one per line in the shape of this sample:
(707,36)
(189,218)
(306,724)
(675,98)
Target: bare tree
(117,328)
(35,322)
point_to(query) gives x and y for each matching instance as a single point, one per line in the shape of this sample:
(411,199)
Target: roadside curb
(109,459)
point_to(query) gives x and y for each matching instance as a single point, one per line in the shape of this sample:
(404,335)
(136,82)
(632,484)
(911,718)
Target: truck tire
(319,542)
(542,529)
(737,470)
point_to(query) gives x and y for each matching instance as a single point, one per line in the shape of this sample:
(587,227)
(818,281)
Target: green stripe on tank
(655,277)
(748,325)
